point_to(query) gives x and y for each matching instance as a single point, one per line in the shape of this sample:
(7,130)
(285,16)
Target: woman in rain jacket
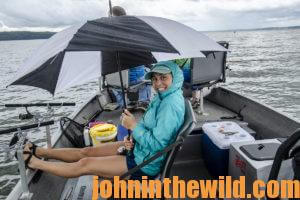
(157,129)
(163,118)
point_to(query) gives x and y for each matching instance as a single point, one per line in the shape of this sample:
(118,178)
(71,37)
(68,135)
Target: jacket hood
(177,76)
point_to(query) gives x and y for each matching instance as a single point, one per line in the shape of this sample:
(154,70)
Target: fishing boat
(220,105)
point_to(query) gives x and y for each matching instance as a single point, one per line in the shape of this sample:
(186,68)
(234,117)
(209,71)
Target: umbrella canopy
(98,47)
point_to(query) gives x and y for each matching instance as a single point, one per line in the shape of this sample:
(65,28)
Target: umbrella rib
(54,58)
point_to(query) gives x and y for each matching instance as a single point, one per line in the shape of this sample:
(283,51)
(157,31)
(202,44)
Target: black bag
(73,131)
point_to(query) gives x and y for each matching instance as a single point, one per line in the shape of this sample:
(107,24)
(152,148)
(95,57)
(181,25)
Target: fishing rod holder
(50,109)
(48,137)
(10,151)
(7,154)
(19,150)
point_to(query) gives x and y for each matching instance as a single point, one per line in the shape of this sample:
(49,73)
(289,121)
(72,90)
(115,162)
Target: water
(265,65)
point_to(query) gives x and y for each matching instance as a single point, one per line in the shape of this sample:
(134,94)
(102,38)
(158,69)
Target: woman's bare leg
(75,154)
(107,166)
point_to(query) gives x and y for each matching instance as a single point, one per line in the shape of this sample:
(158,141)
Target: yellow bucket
(101,133)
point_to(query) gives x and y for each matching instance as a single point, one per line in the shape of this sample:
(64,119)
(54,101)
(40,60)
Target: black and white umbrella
(102,46)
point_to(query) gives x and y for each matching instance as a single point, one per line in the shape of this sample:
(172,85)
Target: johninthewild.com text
(173,187)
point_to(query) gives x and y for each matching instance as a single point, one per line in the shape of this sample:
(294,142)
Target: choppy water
(265,65)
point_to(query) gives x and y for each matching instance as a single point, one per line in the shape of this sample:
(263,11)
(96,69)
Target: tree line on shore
(25,35)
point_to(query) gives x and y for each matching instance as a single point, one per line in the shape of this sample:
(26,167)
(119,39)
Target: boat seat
(185,130)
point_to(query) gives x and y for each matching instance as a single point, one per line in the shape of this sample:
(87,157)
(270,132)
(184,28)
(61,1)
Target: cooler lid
(260,151)
(223,133)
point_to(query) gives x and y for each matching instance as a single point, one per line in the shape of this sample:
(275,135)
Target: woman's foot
(28,156)
(32,148)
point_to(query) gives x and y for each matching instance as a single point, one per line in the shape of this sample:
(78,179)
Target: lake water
(264,65)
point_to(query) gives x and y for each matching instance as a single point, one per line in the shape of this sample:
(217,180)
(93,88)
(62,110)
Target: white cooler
(216,141)
(254,161)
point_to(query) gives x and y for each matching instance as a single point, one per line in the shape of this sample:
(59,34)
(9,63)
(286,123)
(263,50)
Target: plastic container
(122,132)
(86,137)
(103,133)
(186,75)
(92,124)
(136,75)
(216,141)
(118,95)
(145,93)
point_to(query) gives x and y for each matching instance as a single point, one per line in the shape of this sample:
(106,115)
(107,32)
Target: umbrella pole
(128,152)
(121,80)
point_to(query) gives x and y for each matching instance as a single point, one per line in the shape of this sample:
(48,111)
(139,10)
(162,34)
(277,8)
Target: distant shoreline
(28,35)
(24,35)
(259,29)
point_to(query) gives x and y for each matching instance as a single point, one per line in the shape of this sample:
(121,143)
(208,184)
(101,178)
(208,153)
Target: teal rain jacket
(161,122)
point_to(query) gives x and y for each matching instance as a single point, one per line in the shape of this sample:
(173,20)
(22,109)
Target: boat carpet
(53,186)
(114,116)
(212,112)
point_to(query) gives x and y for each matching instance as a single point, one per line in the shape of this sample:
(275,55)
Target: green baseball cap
(161,69)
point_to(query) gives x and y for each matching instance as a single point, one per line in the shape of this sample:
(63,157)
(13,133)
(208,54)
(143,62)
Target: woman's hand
(128,143)
(128,120)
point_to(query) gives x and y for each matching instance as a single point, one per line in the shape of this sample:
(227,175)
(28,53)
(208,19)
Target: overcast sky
(203,15)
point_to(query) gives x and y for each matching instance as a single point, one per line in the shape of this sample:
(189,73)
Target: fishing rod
(26,127)
(28,115)
(37,104)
